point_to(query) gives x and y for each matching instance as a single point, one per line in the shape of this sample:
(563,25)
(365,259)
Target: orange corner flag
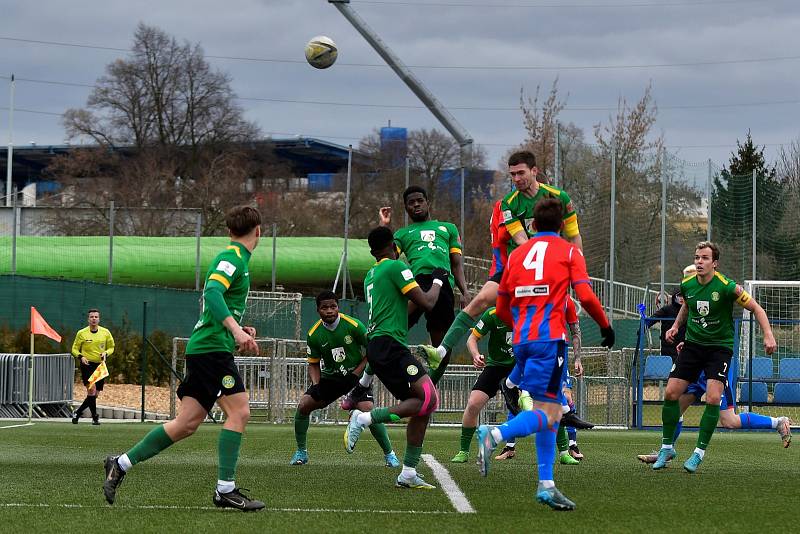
(40,326)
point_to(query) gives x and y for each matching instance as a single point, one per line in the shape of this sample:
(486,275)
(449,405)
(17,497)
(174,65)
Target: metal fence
(278,377)
(52,390)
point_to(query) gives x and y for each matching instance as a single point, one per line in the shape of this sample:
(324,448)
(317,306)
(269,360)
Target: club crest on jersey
(715,296)
(702,307)
(443,229)
(412,370)
(338,354)
(348,339)
(427,235)
(228,382)
(532,291)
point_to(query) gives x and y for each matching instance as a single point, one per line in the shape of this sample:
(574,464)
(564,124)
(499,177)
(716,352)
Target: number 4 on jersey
(534,261)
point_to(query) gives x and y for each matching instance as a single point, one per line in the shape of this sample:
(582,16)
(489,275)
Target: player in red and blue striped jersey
(532,297)
(500,239)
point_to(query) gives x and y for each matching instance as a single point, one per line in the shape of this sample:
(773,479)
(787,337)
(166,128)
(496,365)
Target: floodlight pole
(9,159)
(447,120)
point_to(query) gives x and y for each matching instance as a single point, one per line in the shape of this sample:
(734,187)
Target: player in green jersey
(430,244)
(517,222)
(707,309)
(336,358)
(211,374)
(495,366)
(388,286)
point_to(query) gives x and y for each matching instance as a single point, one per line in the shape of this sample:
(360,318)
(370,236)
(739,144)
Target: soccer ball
(321,52)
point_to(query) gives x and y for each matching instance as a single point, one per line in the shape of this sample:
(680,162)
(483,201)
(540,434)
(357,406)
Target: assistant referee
(91,347)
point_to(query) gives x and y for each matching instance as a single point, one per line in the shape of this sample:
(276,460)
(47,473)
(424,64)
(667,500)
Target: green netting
(171,261)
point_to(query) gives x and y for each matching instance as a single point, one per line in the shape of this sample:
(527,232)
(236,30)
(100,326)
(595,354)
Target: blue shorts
(541,369)
(698,389)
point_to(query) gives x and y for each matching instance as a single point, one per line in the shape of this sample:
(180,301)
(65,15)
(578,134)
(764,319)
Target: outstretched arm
(747,302)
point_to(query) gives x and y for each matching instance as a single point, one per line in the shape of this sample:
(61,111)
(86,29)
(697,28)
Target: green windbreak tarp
(171,261)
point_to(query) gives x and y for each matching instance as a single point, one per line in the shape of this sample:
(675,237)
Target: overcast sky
(740,56)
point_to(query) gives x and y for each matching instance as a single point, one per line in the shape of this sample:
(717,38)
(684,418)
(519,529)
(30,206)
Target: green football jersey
(500,352)
(229,269)
(385,286)
(337,351)
(428,245)
(517,212)
(710,306)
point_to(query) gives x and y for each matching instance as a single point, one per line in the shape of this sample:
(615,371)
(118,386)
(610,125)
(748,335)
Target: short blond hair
(709,244)
(689,270)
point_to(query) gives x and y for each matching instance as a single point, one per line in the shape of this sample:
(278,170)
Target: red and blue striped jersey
(535,287)
(500,238)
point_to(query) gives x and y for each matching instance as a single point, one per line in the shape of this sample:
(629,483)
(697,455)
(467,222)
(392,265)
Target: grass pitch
(51,476)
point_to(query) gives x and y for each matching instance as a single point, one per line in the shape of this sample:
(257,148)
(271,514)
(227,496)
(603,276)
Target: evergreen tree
(732,213)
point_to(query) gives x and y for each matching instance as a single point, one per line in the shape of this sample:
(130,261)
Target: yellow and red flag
(40,326)
(100,373)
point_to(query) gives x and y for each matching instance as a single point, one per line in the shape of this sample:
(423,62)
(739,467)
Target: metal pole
(612,237)
(557,156)
(708,199)
(274,254)
(111,242)
(408,182)
(14,230)
(462,204)
(30,385)
(198,230)
(755,225)
(434,106)
(346,219)
(144,353)
(663,220)
(10,157)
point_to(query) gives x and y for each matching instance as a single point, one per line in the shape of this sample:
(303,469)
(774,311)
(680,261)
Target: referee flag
(100,373)
(40,326)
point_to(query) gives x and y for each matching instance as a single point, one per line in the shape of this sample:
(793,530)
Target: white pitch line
(17,426)
(177,507)
(451,489)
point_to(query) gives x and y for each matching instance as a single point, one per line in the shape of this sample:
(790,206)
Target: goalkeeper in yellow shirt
(91,347)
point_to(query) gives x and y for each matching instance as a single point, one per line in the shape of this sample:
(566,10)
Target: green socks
(411,457)
(562,440)
(229,444)
(670,414)
(301,423)
(467,433)
(439,372)
(154,442)
(707,425)
(378,431)
(457,330)
(382,415)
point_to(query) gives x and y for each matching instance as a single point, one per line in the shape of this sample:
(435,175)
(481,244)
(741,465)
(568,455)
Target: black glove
(440,274)
(608,337)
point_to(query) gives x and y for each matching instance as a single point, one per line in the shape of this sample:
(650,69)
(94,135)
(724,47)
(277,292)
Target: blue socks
(754,420)
(572,434)
(678,429)
(546,452)
(525,424)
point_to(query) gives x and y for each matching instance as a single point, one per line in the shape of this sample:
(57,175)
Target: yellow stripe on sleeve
(313,360)
(408,287)
(455,250)
(571,226)
(476,333)
(314,328)
(221,279)
(744,298)
(514,227)
(349,319)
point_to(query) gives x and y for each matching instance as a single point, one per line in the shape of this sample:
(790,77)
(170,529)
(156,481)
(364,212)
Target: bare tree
(541,121)
(165,93)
